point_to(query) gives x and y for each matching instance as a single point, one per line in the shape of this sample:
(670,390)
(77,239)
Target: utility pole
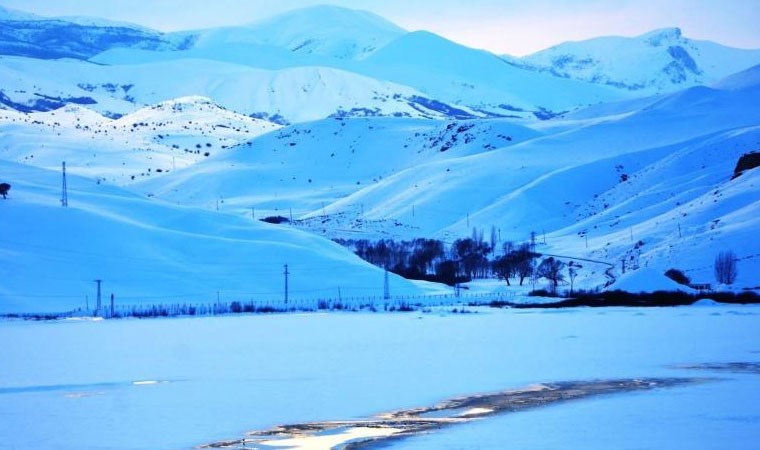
(532,241)
(64,188)
(286,273)
(253,213)
(386,287)
(112,305)
(98,304)
(468,221)
(291,215)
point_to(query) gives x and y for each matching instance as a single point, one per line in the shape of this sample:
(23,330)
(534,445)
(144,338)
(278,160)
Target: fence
(355,304)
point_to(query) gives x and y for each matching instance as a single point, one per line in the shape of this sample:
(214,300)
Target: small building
(701,286)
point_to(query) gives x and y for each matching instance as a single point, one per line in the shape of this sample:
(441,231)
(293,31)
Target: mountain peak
(663,36)
(322,30)
(321,16)
(660,61)
(14,14)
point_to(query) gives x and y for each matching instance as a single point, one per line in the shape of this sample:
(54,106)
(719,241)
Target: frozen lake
(180,383)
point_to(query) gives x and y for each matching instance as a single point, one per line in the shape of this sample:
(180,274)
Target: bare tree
(551,269)
(725,267)
(525,265)
(4,188)
(504,267)
(572,273)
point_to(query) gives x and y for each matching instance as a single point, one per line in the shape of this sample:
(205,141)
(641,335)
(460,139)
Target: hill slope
(461,75)
(339,61)
(23,34)
(148,143)
(149,252)
(319,31)
(657,62)
(618,180)
(292,95)
(301,167)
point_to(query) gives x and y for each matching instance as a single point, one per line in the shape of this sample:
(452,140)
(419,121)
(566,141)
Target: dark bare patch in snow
(374,431)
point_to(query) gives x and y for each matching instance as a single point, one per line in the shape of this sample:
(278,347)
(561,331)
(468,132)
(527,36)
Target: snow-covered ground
(175,148)
(147,251)
(179,383)
(647,184)
(656,62)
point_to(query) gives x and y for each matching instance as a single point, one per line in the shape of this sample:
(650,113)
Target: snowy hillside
(173,156)
(438,69)
(302,167)
(456,74)
(150,252)
(293,95)
(660,175)
(657,62)
(426,70)
(648,182)
(148,143)
(23,34)
(322,31)
(337,61)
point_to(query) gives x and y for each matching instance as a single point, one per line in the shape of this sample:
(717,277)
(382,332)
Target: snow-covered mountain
(150,252)
(657,62)
(457,74)
(171,149)
(23,34)
(318,31)
(654,183)
(289,95)
(150,142)
(648,181)
(378,62)
(344,62)
(299,169)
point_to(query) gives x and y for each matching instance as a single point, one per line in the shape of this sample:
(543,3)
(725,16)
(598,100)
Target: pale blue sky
(503,26)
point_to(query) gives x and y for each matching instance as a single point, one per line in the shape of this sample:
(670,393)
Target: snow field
(150,252)
(219,377)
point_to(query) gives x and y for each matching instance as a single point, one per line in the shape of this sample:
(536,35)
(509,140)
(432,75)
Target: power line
(64,189)
(286,273)
(386,287)
(98,303)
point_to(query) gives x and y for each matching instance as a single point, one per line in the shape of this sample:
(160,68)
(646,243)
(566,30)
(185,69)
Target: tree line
(461,261)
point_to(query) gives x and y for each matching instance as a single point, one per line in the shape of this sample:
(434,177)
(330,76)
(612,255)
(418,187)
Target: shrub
(275,220)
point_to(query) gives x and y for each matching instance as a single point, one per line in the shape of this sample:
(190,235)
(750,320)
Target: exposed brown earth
(375,431)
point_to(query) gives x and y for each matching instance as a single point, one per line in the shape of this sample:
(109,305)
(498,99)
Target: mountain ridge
(175,156)
(659,61)
(363,44)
